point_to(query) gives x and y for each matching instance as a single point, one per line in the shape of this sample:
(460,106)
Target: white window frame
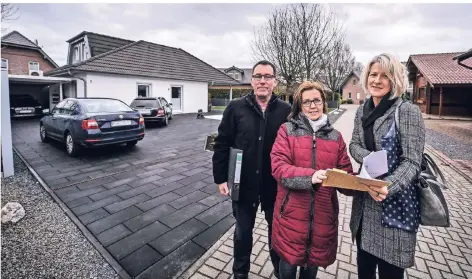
(354,81)
(358,95)
(33,63)
(349,94)
(149,90)
(237,76)
(76,53)
(4,63)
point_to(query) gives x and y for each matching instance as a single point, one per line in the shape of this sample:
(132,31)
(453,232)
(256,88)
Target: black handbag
(433,206)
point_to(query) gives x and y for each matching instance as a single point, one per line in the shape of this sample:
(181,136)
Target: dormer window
(236,76)
(79,52)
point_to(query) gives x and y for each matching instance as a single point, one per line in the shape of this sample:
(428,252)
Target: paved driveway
(154,208)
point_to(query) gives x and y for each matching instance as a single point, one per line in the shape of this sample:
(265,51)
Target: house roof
(100,43)
(440,68)
(16,39)
(147,59)
(246,73)
(357,74)
(463,56)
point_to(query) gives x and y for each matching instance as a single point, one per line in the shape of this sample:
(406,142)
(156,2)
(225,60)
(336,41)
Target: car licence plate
(145,111)
(121,123)
(25,111)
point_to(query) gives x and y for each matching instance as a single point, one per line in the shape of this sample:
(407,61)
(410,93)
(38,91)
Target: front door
(177,97)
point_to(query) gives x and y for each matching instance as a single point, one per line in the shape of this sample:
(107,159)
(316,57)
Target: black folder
(234,172)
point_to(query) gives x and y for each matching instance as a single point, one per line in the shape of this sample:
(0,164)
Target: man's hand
(378,193)
(318,176)
(223,188)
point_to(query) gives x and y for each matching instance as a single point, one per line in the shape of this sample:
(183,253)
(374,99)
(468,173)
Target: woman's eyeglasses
(307,103)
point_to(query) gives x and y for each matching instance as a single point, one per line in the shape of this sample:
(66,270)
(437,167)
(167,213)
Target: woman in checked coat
(384,221)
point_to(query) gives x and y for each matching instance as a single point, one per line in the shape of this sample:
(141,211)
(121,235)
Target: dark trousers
(367,264)
(245,215)
(288,271)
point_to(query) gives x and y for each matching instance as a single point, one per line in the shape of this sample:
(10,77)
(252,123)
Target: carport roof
(37,79)
(147,59)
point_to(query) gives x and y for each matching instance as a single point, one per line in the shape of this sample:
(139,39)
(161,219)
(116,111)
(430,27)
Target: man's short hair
(264,62)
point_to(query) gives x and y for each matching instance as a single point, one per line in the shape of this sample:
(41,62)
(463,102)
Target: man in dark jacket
(250,123)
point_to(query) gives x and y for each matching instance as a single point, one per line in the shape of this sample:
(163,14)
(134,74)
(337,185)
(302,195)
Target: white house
(105,66)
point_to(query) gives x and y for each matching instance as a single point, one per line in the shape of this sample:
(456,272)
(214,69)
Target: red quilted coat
(305,224)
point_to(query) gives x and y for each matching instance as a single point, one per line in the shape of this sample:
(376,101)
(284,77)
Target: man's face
(263,81)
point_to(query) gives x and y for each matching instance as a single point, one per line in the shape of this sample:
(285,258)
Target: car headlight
(45,110)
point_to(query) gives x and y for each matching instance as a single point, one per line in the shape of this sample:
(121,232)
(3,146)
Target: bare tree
(298,38)
(339,64)
(9,13)
(277,42)
(358,67)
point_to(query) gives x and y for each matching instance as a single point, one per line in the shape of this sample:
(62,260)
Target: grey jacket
(395,246)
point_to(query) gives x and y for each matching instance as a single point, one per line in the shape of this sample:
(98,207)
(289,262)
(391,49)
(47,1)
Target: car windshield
(103,105)
(144,104)
(23,101)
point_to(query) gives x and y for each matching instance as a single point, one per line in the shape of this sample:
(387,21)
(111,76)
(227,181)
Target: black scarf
(372,113)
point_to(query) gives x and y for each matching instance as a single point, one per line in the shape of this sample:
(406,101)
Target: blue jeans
(288,271)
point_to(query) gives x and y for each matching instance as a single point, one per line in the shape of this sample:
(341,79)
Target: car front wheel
(43,133)
(71,147)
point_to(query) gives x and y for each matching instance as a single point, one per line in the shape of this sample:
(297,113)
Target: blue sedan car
(92,122)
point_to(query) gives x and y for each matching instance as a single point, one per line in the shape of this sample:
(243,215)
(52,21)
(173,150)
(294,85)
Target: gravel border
(448,145)
(45,243)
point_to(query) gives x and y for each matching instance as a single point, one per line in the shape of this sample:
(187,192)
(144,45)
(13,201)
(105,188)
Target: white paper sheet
(374,165)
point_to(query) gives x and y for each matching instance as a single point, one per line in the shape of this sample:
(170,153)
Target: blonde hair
(395,71)
(297,98)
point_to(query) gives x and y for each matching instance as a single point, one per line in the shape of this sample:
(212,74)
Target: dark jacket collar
(251,100)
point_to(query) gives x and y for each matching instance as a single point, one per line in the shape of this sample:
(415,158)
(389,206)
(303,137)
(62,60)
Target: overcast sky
(221,34)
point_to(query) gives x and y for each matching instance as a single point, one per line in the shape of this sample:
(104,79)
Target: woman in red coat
(305,226)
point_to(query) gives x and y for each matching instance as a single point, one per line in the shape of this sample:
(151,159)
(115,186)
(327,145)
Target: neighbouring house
(26,62)
(105,66)
(442,82)
(352,89)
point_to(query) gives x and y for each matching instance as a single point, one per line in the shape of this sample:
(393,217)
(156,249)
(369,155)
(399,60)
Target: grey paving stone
(136,240)
(78,202)
(178,236)
(80,210)
(93,216)
(96,183)
(72,196)
(174,263)
(112,208)
(148,217)
(212,188)
(139,260)
(213,199)
(193,179)
(120,182)
(151,173)
(188,199)
(157,201)
(112,235)
(210,236)
(56,182)
(113,220)
(164,189)
(138,190)
(111,192)
(216,213)
(169,180)
(182,215)
(143,181)
(190,188)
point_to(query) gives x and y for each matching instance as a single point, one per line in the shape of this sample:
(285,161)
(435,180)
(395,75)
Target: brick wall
(19,58)
(353,88)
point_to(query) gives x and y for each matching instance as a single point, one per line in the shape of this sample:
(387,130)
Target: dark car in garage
(92,122)
(24,106)
(153,109)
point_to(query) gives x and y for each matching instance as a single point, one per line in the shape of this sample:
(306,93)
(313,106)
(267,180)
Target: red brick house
(24,56)
(352,89)
(26,62)
(442,82)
